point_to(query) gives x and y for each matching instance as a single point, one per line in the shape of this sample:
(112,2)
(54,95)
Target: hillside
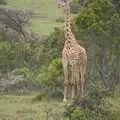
(46,13)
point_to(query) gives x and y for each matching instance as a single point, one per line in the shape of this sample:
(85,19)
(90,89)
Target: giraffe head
(62,3)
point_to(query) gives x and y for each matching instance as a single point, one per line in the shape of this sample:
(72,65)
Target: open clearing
(22,108)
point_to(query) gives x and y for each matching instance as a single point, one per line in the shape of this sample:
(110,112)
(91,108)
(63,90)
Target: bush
(92,107)
(98,26)
(50,77)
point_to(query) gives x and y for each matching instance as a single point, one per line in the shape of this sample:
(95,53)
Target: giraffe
(73,55)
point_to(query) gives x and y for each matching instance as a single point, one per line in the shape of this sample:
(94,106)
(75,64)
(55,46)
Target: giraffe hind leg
(82,84)
(78,80)
(66,82)
(82,73)
(73,82)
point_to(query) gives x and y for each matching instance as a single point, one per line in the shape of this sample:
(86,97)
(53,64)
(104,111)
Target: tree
(99,23)
(14,19)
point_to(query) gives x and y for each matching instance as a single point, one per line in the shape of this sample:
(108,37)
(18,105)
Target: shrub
(50,77)
(93,107)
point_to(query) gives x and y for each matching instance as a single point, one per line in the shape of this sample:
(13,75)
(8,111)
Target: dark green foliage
(50,77)
(98,26)
(8,57)
(50,74)
(98,16)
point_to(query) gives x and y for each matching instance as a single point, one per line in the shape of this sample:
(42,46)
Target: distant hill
(45,13)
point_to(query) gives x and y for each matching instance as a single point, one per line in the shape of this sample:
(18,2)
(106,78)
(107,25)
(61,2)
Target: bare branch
(15,19)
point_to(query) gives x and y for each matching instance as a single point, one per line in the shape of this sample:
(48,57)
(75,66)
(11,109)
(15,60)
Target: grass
(114,103)
(47,8)
(22,108)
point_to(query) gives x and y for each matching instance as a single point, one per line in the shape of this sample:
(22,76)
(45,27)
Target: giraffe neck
(69,36)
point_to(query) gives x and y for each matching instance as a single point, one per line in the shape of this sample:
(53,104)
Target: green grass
(45,27)
(114,102)
(46,8)
(22,108)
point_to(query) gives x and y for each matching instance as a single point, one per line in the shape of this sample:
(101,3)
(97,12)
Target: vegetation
(99,22)
(95,106)
(22,108)
(30,60)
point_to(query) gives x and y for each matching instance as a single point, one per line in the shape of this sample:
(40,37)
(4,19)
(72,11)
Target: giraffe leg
(82,84)
(73,83)
(82,73)
(65,70)
(78,79)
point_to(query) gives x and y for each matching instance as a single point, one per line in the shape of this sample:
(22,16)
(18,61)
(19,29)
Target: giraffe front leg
(82,85)
(66,82)
(73,81)
(78,80)
(82,73)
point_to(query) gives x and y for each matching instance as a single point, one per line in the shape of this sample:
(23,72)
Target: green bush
(98,28)
(93,107)
(50,77)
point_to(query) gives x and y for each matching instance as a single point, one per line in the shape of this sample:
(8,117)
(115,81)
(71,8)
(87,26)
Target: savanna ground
(23,108)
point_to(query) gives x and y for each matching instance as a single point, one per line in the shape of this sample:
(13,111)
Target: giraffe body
(73,55)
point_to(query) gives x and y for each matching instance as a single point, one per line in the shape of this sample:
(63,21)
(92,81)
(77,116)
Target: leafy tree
(98,25)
